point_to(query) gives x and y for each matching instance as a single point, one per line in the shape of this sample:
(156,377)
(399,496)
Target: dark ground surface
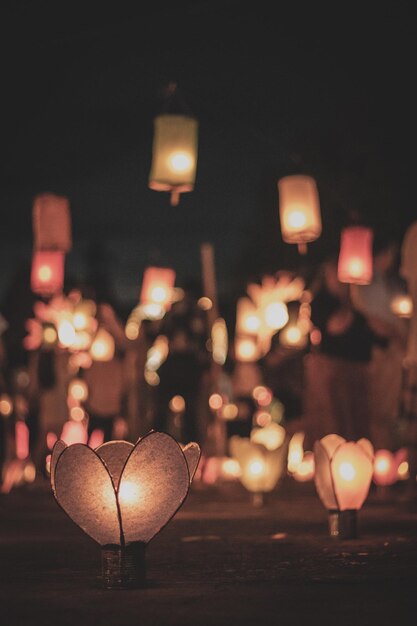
(219,561)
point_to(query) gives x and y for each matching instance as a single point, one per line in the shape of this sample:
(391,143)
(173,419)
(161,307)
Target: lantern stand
(124,567)
(343,524)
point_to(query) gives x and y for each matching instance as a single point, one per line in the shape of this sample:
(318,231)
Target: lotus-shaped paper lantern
(122,494)
(343,475)
(261,468)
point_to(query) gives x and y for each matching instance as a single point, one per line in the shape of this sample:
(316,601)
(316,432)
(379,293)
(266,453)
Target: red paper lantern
(51,221)
(47,276)
(157,287)
(355,257)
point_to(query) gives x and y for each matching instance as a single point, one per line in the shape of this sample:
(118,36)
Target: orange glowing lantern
(122,495)
(219,341)
(299,209)
(343,475)
(386,466)
(47,275)
(402,306)
(355,263)
(51,221)
(157,291)
(174,155)
(305,470)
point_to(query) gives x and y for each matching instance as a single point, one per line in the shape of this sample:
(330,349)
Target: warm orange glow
(229,411)
(355,263)
(157,354)
(246,349)
(129,493)
(151,378)
(6,405)
(295,451)
(262,418)
(305,469)
(77,413)
(174,154)
(51,220)
(247,317)
(157,289)
(132,330)
(262,395)
(219,341)
(215,401)
(51,438)
(66,333)
(47,275)
(299,209)
(49,335)
(276,315)
(271,436)
(402,306)
(96,438)
(177,404)
(21,440)
(103,346)
(205,303)
(256,467)
(293,337)
(386,467)
(74,432)
(78,389)
(230,468)
(403,471)
(315,337)
(343,471)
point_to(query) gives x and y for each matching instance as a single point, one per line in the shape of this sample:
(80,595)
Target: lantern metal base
(123,567)
(343,524)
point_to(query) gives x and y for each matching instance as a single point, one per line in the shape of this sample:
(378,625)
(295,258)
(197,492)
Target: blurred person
(337,370)
(106,380)
(386,368)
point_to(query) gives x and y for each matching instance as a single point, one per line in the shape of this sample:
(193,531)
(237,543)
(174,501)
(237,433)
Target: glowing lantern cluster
(299,209)
(263,313)
(355,264)
(122,495)
(343,475)
(261,468)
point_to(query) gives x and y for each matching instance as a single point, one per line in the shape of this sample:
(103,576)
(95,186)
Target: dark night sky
(275,89)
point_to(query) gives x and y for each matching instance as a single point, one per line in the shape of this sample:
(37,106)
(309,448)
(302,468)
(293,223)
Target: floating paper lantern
(51,221)
(343,474)
(122,495)
(174,155)
(305,470)
(293,336)
(295,451)
(355,263)
(299,209)
(156,292)
(47,275)
(261,468)
(103,346)
(272,436)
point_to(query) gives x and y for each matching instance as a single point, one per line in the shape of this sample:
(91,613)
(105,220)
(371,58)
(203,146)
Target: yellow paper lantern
(219,341)
(299,209)
(157,291)
(174,155)
(402,306)
(343,474)
(246,349)
(122,495)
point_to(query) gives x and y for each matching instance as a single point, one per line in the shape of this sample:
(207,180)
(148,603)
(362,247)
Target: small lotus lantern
(122,494)
(343,475)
